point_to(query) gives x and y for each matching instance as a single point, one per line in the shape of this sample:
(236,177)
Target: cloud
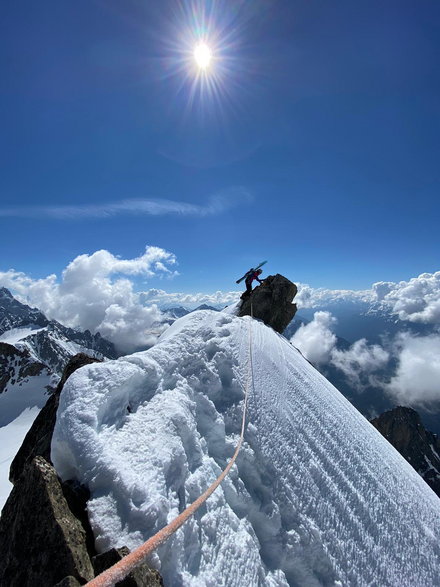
(316,340)
(416,300)
(189,300)
(216,204)
(407,367)
(360,362)
(95,294)
(310,297)
(417,378)
(318,344)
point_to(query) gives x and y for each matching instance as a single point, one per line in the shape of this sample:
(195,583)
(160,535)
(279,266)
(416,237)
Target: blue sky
(318,148)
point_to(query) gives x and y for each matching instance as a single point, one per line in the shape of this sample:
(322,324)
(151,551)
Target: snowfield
(318,497)
(11,439)
(15,335)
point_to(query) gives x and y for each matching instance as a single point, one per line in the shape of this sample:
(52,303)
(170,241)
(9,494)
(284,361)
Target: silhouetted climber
(249,278)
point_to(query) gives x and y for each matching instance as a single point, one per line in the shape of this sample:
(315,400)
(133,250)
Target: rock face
(14,314)
(403,428)
(33,354)
(141,576)
(17,365)
(272,302)
(45,535)
(48,341)
(41,541)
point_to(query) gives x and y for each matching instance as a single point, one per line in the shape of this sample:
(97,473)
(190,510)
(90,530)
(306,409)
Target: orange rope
(122,568)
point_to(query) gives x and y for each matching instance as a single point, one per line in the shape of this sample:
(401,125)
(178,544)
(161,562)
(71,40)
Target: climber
(250,276)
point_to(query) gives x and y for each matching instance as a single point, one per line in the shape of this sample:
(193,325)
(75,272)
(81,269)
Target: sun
(202,55)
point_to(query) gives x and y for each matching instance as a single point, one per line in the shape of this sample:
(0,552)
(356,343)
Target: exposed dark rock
(37,441)
(272,302)
(41,541)
(47,337)
(141,576)
(403,428)
(176,312)
(77,496)
(53,345)
(14,314)
(16,365)
(68,582)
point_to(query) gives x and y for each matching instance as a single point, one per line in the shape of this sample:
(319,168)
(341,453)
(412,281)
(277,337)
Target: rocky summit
(271,302)
(14,314)
(403,428)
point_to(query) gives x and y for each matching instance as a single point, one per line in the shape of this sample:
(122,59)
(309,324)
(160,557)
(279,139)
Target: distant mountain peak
(5,293)
(205,307)
(403,428)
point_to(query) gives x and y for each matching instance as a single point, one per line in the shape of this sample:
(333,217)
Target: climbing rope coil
(122,568)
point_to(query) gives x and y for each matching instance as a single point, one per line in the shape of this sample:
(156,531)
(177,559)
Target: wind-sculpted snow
(318,497)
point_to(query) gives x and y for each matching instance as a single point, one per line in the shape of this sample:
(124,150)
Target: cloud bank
(407,368)
(309,297)
(417,377)
(94,293)
(217,204)
(97,292)
(416,300)
(190,301)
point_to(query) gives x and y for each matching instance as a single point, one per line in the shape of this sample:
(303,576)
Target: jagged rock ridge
(17,365)
(403,428)
(33,354)
(14,314)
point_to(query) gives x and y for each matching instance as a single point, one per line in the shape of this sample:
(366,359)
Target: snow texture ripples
(317,496)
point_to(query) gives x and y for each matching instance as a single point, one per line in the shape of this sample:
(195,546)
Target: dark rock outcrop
(16,365)
(403,428)
(37,441)
(272,302)
(141,576)
(14,314)
(68,582)
(41,541)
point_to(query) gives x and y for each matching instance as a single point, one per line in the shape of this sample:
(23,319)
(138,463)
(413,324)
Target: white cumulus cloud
(407,367)
(94,293)
(417,377)
(316,340)
(416,300)
(189,300)
(310,297)
(360,361)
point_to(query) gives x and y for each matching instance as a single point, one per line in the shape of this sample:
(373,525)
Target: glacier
(317,496)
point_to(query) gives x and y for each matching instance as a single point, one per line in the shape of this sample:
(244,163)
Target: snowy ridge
(16,335)
(11,438)
(318,497)
(51,346)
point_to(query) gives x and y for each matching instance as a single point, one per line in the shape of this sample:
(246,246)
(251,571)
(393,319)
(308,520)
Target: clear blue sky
(321,136)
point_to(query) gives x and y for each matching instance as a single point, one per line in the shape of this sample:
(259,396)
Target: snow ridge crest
(317,495)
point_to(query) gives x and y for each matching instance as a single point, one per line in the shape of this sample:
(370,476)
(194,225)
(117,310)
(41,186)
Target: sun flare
(202,55)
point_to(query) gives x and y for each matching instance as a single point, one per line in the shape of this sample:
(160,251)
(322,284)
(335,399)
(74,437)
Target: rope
(122,568)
